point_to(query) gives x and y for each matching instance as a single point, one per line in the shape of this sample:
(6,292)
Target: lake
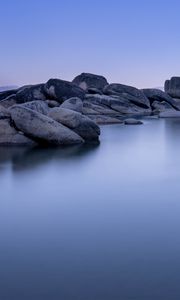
(97,222)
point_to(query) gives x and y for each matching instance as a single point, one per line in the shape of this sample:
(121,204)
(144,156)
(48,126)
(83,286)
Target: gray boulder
(160,96)
(61,90)
(117,103)
(82,125)
(172,87)
(5,94)
(4,113)
(75,104)
(42,128)
(133,122)
(91,109)
(130,93)
(88,81)
(37,105)
(9,101)
(30,93)
(161,106)
(9,136)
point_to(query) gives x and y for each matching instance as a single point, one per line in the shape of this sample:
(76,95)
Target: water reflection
(99,222)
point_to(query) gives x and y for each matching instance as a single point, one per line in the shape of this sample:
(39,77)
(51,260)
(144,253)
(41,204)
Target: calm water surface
(93,223)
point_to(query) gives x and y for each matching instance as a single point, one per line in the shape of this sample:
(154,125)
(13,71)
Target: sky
(134,42)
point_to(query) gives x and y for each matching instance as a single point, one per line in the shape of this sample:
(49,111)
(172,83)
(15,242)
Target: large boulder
(61,90)
(117,103)
(9,101)
(87,81)
(37,105)
(161,106)
(30,93)
(172,87)
(5,94)
(160,96)
(42,128)
(130,93)
(75,104)
(4,113)
(91,109)
(82,125)
(9,136)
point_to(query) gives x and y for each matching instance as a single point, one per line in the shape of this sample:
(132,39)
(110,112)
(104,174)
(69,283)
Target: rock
(42,128)
(4,113)
(9,136)
(132,122)
(94,91)
(61,90)
(9,101)
(82,125)
(75,104)
(5,94)
(160,96)
(161,106)
(172,87)
(116,103)
(130,93)
(52,103)
(30,93)
(170,114)
(37,105)
(88,81)
(91,109)
(104,120)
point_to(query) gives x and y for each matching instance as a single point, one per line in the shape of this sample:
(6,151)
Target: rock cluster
(64,113)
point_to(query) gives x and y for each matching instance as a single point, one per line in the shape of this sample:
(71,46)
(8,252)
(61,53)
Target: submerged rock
(133,122)
(82,125)
(89,81)
(61,90)
(42,128)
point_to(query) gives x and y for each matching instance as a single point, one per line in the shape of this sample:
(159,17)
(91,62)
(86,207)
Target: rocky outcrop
(61,90)
(42,128)
(89,82)
(9,101)
(129,93)
(172,87)
(80,124)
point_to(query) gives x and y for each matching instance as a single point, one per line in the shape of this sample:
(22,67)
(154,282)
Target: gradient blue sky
(136,42)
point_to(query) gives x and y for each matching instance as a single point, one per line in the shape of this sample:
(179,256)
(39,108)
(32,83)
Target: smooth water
(93,223)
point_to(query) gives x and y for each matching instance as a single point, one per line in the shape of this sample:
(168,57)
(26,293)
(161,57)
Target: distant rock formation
(60,112)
